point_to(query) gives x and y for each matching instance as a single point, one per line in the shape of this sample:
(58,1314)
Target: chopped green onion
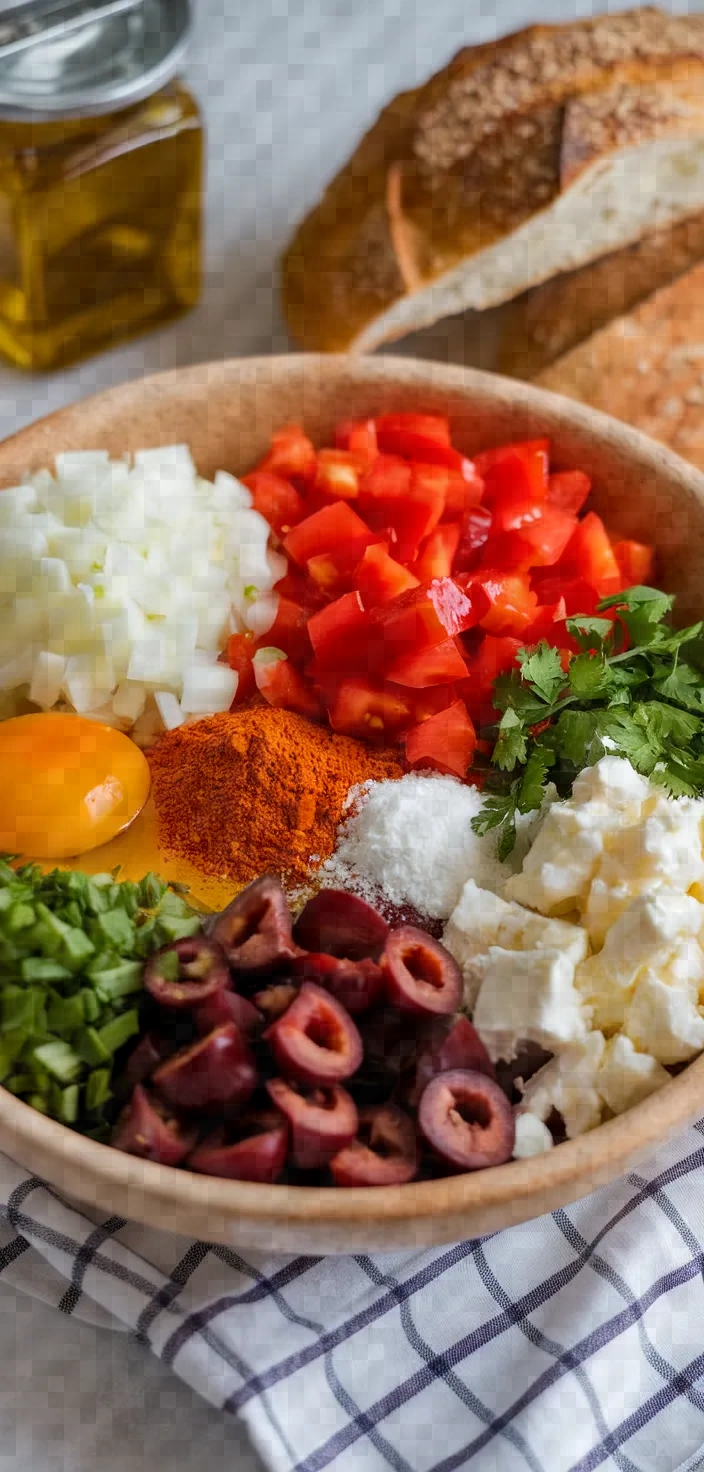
(97,1089)
(90,1048)
(117,929)
(20,916)
(121,981)
(67,1104)
(117,1032)
(60,1060)
(91,1005)
(65,1014)
(174,929)
(40,968)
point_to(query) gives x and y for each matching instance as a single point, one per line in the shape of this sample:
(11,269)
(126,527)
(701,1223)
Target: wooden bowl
(227,411)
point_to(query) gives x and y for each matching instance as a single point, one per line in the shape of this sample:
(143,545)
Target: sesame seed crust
(547,63)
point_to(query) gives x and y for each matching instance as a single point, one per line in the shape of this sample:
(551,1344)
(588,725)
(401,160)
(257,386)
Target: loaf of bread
(647,367)
(520,161)
(549,320)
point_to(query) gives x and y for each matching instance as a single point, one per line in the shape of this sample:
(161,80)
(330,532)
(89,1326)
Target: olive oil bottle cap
(78,58)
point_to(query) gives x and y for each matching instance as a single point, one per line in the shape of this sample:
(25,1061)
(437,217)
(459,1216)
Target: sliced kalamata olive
(255,930)
(146,1128)
(419,974)
(142,1060)
(216,1073)
(467,1119)
(322,1121)
(227,1006)
(273,1000)
(186,972)
(385,1152)
(448,1044)
(341,924)
(257,1153)
(316,1041)
(358,985)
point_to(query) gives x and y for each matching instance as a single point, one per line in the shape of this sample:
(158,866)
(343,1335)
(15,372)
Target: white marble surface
(287,86)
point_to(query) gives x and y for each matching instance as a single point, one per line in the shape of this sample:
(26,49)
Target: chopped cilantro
(630,690)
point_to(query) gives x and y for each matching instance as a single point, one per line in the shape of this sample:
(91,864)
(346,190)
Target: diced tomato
(368,711)
(437,552)
(512,603)
(275,499)
(428,701)
(568,490)
(474,533)
(324,531)
(422,511)
(463,490)
(379,577)
(425,616)
(239,651)
(408,500)
(281,685)
(339,634)
(547,616)
(589,555)
(578,596)
(445,742)
(291,455)
(636,561)
(537,543)
(514,508)
(289,630)
(333,572)
(434,428)
(422,667)
(338,473)
(384,485)
(519,470)
(493,658)
(358,435)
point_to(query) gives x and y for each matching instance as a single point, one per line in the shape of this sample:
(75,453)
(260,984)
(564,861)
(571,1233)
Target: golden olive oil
(100,227)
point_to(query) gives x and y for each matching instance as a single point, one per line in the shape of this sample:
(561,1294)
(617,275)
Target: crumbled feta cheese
(568,1084)
(482,919)
(558,870)
(627,1077)
(532,1136)
(664,1019)
(647,933)
(527,996)
(664,849)
(613,781)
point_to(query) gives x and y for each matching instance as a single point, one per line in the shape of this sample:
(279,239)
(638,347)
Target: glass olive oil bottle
(101,157)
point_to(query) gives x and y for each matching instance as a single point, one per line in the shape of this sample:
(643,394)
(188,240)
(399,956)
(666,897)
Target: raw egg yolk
(67,784)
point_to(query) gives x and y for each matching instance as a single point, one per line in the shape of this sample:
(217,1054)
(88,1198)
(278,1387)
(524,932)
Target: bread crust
(488,142)
(546,322)
(647,367)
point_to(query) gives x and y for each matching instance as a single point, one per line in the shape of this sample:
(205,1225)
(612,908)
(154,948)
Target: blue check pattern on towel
(571,1343)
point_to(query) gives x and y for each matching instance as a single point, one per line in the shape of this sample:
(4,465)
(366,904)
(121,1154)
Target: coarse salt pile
(411,841)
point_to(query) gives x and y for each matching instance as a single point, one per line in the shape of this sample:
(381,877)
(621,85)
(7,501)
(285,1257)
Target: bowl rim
(600,1152)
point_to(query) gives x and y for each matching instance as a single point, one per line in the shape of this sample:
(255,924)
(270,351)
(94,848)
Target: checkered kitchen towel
(573,1342)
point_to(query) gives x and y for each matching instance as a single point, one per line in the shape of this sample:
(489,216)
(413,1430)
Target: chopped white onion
(48,675)
(169,709)
(119,581)
(262,614)
(208,689)
(129,701)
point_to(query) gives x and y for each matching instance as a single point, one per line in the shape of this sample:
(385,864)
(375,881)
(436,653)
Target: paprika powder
(258,790)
